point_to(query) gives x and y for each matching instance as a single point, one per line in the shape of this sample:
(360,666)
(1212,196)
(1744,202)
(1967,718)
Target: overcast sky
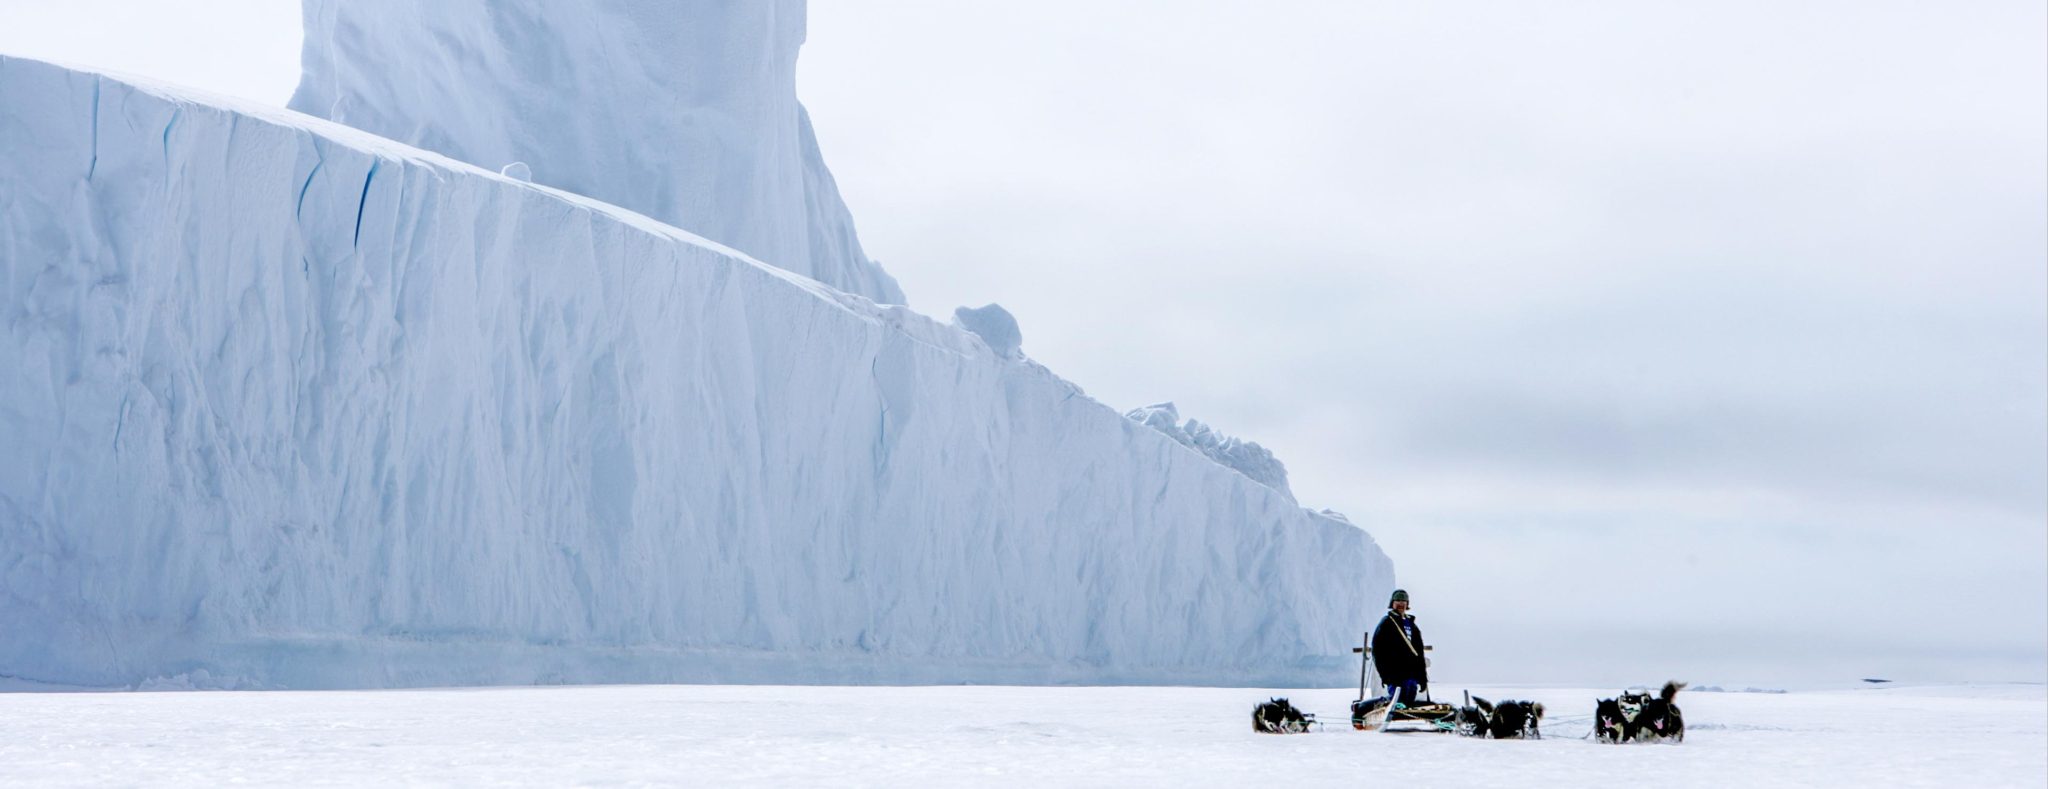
(1650,338)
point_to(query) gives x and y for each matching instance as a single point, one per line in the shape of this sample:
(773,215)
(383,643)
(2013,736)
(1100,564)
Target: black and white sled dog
(1506,720)
(1279,717)
(1637,716)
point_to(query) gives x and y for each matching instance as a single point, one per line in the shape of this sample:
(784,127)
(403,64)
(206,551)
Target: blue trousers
(1403,692)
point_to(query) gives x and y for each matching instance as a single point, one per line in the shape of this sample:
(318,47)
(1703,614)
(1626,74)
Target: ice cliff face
(284,404)
(685,112)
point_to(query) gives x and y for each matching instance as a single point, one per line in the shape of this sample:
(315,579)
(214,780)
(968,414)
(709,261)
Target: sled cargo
(1380,714)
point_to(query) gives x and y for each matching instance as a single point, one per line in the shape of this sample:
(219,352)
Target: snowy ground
(1974,736)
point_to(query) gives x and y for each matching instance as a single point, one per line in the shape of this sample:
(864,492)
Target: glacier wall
(685,112)
(284,404)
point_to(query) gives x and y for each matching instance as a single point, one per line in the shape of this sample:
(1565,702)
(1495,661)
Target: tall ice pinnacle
(683,111)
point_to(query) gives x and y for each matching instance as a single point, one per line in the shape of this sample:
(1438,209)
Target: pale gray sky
(1650,338)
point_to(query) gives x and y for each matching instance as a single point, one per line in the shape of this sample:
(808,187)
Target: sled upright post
(1364,657)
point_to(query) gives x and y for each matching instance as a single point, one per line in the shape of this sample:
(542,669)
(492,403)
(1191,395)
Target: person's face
(1400,606)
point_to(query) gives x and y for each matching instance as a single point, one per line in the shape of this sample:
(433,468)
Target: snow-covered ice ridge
(285,404)
(687,116)
(1247,457)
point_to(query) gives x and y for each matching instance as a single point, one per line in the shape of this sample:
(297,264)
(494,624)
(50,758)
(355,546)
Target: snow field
(1982,736)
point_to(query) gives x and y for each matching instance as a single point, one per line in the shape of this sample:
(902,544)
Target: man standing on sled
(1397,650)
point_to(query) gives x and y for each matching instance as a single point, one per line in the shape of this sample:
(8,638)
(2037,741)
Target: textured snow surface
(685,112)
(1247,457)
(990,736)
(288,405)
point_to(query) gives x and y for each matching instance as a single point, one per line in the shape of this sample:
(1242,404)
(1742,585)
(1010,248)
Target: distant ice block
(995,326)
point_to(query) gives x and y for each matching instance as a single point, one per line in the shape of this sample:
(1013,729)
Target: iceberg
(288,404)
(291,405)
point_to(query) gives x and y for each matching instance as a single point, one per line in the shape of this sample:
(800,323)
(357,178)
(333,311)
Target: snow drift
(285,404)
(688,115)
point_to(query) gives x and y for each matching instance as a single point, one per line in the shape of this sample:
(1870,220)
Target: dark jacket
(1394,658)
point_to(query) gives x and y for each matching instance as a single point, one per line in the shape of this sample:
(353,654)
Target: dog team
(1397,648)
